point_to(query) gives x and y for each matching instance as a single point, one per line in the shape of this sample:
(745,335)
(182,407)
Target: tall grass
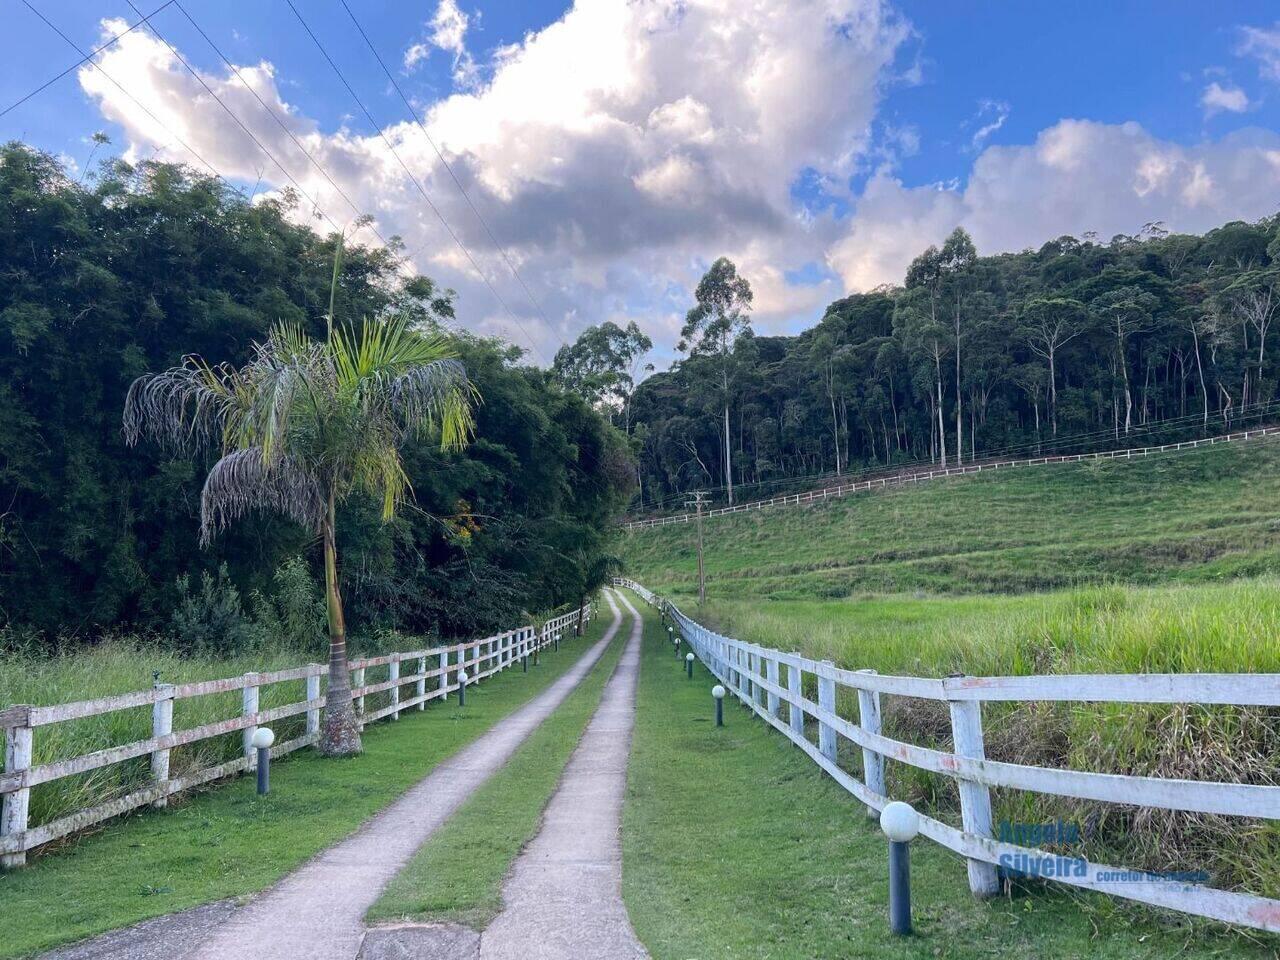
(125,664)
(1223,628)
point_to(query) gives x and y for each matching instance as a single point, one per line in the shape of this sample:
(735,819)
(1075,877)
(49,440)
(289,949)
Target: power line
(231,113)
(283,126)
(138,103)
(421,190)
(88,56)
(458,183)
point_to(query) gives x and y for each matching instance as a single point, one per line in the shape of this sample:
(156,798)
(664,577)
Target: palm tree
(300,427)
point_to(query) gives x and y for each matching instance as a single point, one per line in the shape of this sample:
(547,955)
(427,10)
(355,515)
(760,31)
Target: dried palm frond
(244,480)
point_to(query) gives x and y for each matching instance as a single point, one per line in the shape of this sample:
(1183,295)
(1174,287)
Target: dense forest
(136,267)
(1076,345)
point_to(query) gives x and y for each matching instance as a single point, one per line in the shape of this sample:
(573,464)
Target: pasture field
(1193,516)
(1165,565)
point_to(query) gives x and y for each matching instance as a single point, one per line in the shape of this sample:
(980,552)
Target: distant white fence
(480,658)
(858,486)
(754,674)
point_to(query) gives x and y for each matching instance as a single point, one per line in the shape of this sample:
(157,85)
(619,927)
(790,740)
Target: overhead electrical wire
(86,57)
(414,179)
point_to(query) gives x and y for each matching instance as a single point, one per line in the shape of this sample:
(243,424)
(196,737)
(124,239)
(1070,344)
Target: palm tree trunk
(340,732)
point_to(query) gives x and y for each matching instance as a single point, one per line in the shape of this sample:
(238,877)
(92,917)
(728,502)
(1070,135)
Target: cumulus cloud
(623,144)
(1219,99)
(1078,176)
(619,150)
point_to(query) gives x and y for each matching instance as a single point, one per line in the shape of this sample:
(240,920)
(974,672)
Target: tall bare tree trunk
(728,462)
(339,732)
(942,430)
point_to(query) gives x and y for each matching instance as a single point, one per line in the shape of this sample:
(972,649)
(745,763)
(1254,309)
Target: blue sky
(614,149)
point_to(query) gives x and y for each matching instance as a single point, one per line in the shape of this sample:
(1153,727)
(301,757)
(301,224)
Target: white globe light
(263,738)
(689,657)
(462,676)
(899,821)
(718,692)
(671,629)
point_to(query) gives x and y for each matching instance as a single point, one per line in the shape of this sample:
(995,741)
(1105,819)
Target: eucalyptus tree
(712,327)
(1048,325)
(300,427)
(1127,311)
(602,364)
(955,264)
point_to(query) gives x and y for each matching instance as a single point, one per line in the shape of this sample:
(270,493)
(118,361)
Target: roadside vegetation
(769,858)
(228,842)
(457,875)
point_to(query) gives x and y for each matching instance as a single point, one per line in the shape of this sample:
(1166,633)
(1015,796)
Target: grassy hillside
(1159,565)
(1202,515)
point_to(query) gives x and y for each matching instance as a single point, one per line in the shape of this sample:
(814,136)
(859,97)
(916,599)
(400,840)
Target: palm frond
(244,480)
(182,408)
(435,394)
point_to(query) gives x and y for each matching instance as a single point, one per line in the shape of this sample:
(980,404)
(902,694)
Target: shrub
(294,616)
(211,619)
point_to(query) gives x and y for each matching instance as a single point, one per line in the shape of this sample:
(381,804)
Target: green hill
(1196,515)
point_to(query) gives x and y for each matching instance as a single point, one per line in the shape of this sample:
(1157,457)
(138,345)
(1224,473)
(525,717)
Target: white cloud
(620,149)
(1218,99)
(1078,176)
(446,30)
(991,114)
(1263,45)
(613,153)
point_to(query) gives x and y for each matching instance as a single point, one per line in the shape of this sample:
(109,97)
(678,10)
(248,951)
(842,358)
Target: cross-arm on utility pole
(699,499)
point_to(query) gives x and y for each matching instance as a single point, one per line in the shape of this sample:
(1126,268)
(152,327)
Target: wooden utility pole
(699,498)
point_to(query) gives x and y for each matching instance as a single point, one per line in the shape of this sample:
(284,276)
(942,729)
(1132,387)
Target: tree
(1127,311)
(955,265)
(302,426)
(925,332)
(602,364)
(1048,325)
(711,329)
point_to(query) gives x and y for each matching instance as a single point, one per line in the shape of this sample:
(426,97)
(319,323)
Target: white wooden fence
(754,674)
(480,658)
(898,480)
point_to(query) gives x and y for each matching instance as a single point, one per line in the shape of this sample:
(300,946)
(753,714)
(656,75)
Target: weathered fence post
(313,693)
(771,674)
(420,688)
(249,708)
(393,674)
(444,674)
(827,702)
(795,683)
(357,682)
(14,806)
(872,762)
(161,726)
(753,671)
(975,798)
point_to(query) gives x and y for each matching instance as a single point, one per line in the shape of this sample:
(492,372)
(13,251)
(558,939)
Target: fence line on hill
(754,674)
(858,486)
(480,658)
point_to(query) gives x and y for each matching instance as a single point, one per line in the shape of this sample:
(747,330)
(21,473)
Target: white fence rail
(434,676)
(754,674)
(878,483)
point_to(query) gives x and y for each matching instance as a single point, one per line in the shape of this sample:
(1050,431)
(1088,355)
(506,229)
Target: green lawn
(736,846)
(1197,515)
(457,875)
(227,842)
